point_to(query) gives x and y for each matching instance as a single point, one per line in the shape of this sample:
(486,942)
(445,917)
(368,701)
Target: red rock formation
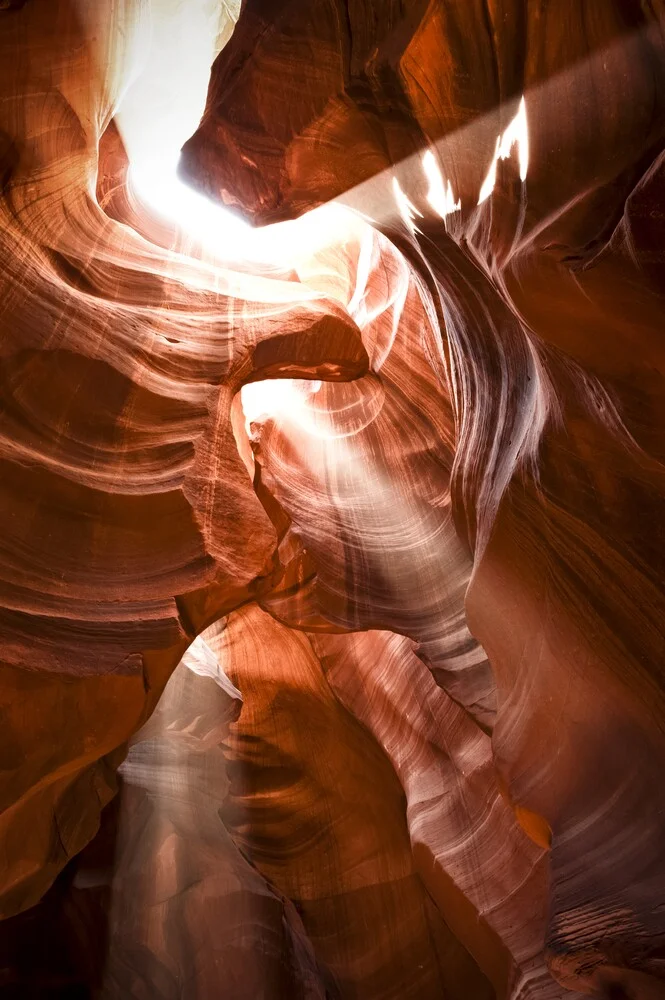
(187,907)
(318,807)
(162,900)
(131,521)
(548,295)
(445,581)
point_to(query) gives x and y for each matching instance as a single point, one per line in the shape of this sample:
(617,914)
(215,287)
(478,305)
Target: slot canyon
(332,441)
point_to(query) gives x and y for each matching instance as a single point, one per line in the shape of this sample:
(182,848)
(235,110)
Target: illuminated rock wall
(531,231)
(131,520)
(441,571)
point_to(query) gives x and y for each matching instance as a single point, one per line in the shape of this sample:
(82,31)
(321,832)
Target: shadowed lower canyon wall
(331,604)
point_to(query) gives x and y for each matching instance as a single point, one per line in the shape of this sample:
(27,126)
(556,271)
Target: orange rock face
(132,522)
(430,567)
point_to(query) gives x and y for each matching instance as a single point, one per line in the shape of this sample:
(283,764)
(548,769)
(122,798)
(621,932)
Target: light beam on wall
(517,134)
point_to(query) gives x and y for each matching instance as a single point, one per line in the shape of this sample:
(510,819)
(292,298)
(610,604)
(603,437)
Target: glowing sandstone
(549,301)
(444,586)
(131,521)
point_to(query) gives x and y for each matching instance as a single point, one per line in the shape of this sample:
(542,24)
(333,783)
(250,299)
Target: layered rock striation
(431,563)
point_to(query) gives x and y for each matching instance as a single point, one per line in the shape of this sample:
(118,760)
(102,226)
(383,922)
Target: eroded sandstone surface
(415,746)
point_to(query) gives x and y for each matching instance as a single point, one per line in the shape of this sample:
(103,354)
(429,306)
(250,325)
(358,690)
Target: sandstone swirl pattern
(434,575)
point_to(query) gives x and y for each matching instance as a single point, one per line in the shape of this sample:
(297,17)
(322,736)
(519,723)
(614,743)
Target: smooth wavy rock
(317,806)
(178,878)
(437,546)
(363,471)
(130,520)
(162,903)
(533,230)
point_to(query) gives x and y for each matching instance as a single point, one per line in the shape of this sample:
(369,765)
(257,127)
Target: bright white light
(157,185)
(490,180)
(174,46)
(227,237)
(280,398)
(357,305)
(407,210)
(517,134)
(440,196)
(161,109)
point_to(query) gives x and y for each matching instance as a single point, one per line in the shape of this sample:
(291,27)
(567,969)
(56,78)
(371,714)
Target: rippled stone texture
(130,520)
(546,283)
(443,580)
(187,907)
(317,805)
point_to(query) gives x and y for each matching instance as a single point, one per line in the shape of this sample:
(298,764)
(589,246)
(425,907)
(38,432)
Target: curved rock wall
(441,564)
(530,230)
(131,519)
